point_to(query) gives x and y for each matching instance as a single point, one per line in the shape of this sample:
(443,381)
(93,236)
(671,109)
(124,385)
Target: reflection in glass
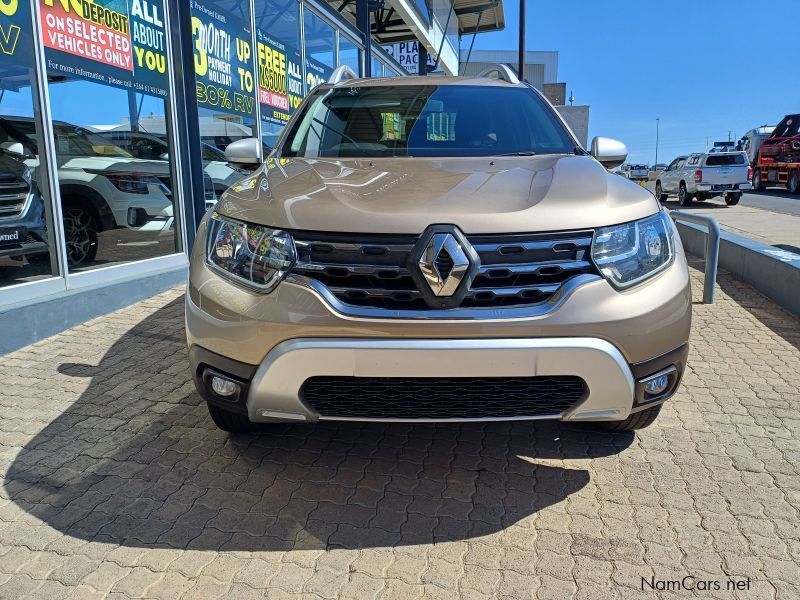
(278,19)
(320,40)
(114,173)
(108,73)
(270,132)
(377,67)
(27,248)
(349,54)
(217,131)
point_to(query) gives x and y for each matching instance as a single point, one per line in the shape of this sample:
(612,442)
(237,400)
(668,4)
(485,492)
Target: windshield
(77,141)
(71,140)
(426,120)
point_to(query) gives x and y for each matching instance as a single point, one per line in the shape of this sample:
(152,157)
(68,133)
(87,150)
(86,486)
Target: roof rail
(503,72)
(341,74)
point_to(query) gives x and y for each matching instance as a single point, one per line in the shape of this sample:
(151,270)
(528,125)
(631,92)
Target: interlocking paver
(116,484)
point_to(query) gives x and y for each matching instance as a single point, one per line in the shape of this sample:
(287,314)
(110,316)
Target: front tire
(733,199)
(660,195)
(793,185)
(229,421)
(758,185)
(684,197)
(638,420)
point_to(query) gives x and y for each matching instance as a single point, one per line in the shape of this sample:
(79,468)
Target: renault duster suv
(435,249)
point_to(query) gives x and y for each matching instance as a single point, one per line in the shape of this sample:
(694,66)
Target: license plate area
(12,236)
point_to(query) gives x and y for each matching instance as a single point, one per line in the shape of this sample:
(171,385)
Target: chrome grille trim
(13,205)
(536,268)
(483,247)
(457,314)
(370,271)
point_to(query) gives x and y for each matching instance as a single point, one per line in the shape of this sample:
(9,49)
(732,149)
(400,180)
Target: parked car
(101,185)
(23,227)
(703,176)
(374,269)
(636,172)
(219,174)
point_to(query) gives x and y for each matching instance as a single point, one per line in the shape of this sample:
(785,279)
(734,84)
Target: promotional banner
(316,73)
(280,78)
(16,42)
(108,41)
(223,57)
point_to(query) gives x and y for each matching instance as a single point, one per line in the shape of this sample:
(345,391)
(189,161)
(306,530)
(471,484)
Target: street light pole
(521,70)
(657,124)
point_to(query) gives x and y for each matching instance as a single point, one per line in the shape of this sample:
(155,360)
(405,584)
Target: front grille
(442,398)
(373,271)
(13,195)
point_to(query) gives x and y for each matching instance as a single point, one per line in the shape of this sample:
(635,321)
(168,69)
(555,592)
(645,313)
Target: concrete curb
(772,271)
(32,322)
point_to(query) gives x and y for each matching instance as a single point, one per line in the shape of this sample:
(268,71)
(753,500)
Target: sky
(704,68)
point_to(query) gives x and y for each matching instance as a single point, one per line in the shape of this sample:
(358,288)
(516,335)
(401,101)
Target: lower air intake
(442,398)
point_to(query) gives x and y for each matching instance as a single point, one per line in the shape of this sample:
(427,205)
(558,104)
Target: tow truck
(778,160)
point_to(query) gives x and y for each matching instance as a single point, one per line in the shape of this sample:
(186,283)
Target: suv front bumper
(270,344)
(273,391)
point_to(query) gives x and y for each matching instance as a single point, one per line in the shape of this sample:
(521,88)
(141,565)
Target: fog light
(657,385)
(223,387)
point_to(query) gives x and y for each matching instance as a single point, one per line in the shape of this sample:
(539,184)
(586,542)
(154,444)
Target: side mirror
(609,152)
(244,153)
(15,148)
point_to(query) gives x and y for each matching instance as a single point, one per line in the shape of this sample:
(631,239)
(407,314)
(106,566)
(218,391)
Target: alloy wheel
(81,236)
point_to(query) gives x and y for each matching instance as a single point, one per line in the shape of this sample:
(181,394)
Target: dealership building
(114,117)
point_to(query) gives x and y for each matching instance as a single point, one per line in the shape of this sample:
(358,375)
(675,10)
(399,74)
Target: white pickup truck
(703,176)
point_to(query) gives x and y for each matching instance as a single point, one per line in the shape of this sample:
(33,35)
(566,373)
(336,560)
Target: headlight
(133,183)
(255,256)
(630,253)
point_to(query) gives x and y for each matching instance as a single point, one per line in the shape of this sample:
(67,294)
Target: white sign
(407,54)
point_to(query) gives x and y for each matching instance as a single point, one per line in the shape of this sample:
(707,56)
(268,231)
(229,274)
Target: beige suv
(435,249)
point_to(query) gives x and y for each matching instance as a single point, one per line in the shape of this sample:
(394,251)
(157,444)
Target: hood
(117,163)
(405,195)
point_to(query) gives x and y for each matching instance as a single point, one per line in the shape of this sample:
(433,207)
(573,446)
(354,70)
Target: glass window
(377,67)
(320,40)
(417,120)
(226,85)
(107,72)
(349,54)
(279,65)
(728,159)
(27,251)
(279,19)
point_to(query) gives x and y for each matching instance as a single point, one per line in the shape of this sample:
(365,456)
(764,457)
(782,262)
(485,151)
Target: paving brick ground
(116,484)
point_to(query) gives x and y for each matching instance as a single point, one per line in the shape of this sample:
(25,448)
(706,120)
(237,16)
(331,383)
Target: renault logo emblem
(443,264)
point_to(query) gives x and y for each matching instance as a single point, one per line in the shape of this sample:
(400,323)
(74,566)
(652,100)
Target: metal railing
(712,249)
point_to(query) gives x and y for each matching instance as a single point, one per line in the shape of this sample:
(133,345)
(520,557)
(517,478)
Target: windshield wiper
(520,153)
